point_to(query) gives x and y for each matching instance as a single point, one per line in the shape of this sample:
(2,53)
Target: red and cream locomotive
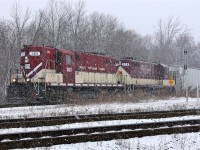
(50,74)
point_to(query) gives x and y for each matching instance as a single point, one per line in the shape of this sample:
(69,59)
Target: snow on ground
(59,110)
(170,142)
(188,141)
(92,124)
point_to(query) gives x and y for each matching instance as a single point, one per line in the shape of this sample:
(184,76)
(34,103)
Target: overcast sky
(140,15)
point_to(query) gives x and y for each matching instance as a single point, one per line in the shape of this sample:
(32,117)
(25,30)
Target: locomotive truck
(49,75)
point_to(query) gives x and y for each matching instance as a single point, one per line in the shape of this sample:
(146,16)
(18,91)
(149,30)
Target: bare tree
(35,31)
(127,43)
(19,21)
(147,48)
(186,42)
(54,20)
(11,37)
(100,30)
(165,36)
(5,30)
(77,25)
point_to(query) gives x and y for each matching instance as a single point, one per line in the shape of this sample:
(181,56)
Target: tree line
(65,25)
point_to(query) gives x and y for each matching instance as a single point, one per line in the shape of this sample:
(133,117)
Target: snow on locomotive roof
(139,61)
(164,65)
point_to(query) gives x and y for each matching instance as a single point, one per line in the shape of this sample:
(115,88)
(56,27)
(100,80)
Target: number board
(35,53)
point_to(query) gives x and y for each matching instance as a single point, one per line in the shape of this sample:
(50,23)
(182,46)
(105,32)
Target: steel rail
(76,135)
(50,121)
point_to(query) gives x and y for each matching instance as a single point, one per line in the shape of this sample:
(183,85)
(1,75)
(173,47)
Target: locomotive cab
(38,67)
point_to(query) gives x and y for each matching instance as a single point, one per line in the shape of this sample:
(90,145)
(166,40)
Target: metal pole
(185,52)
(197,91)
(186,88)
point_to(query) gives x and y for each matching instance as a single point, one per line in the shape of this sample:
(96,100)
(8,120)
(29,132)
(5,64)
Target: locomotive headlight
(14,80)
(27,80)
(26,59)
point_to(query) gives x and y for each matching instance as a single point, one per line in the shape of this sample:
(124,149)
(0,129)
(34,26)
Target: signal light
(185,52)
(185,67)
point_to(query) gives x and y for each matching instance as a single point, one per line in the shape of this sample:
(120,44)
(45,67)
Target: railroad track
(99,133)
(10,105)
(50,121)
(7,105)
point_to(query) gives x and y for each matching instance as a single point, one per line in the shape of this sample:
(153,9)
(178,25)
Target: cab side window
(68,60)
(58,57)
